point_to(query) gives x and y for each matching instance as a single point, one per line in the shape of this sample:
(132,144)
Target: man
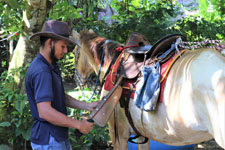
(46,95)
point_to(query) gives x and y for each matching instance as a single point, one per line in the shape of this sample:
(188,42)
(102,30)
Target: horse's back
(190,111)
(196,83)
(200,70)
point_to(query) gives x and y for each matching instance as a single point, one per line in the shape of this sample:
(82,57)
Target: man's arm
(73,103)
(48,113)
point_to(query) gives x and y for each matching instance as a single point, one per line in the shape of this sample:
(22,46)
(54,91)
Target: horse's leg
(218,122)
(119,129)
(142,146)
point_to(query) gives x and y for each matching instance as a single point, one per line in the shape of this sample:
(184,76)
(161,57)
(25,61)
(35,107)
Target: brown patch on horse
(94,42)
(96,45)
(110,46)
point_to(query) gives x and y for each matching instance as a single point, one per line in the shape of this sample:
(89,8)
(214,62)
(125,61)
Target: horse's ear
(75,35)
(91,31)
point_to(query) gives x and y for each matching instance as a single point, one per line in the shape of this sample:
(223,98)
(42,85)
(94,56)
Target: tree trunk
(34,16)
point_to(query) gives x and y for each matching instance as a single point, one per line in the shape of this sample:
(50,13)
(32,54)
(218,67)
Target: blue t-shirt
(44,83)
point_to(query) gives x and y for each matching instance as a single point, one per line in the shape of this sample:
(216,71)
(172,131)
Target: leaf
(203,7)
(18,123)
(10,97)
(135,3)
(18,131)
(5,124)
(26,134)
(15,113)
(20,104)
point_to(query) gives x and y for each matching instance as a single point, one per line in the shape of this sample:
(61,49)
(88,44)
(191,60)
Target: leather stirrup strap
(115,126)
(127,112)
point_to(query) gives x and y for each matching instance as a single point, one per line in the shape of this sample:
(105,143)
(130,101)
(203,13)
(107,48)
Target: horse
(193,102)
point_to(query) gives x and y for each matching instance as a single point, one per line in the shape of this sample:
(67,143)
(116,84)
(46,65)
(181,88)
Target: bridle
(77,74)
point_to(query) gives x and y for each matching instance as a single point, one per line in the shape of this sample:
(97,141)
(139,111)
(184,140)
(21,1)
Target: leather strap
(128,115)
(109,68)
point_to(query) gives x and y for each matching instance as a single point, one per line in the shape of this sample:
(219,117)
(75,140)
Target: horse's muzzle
(82,81)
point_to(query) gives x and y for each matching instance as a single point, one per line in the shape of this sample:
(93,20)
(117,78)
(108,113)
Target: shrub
(15,117)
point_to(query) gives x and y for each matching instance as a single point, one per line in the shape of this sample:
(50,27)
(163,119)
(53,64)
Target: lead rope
(203,44)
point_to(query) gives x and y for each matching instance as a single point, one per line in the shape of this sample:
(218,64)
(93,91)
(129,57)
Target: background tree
(34,15)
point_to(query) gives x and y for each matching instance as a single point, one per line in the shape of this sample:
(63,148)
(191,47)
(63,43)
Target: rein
(99,72)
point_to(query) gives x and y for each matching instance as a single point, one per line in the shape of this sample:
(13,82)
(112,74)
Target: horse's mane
(87,35)
(96,44)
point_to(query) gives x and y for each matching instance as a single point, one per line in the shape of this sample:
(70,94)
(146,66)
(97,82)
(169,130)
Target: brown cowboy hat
(56,29)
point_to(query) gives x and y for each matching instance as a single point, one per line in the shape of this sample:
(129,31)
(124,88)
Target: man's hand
(85,126)
(74,103)
(92,106)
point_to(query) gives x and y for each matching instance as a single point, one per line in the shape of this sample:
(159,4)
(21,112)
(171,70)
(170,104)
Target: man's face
(60,49)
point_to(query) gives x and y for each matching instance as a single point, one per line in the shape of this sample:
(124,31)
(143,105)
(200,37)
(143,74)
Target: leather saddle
(132,66)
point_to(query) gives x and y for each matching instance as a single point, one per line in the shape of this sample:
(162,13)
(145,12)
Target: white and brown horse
(193,106)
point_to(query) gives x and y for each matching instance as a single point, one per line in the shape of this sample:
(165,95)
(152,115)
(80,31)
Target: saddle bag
(148,88)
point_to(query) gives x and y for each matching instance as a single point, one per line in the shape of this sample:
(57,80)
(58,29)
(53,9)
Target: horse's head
(89,55)
(82,66)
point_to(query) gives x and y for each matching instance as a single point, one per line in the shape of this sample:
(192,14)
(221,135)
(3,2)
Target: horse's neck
(103,71)
(104,68)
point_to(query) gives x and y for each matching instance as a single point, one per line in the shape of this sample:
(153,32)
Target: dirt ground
(209,145)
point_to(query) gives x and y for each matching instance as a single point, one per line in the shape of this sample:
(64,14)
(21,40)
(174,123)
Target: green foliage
(197,29)
(218,6)
(11,15)
(156,20)
(98,136)
(64,11)
(150,20)
(67,66)
(203,7)
(15,117)
(97,139)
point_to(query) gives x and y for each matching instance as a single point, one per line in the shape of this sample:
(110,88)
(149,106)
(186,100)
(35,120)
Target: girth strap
(125,102)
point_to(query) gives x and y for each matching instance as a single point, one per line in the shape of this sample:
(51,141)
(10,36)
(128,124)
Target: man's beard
(52,54)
